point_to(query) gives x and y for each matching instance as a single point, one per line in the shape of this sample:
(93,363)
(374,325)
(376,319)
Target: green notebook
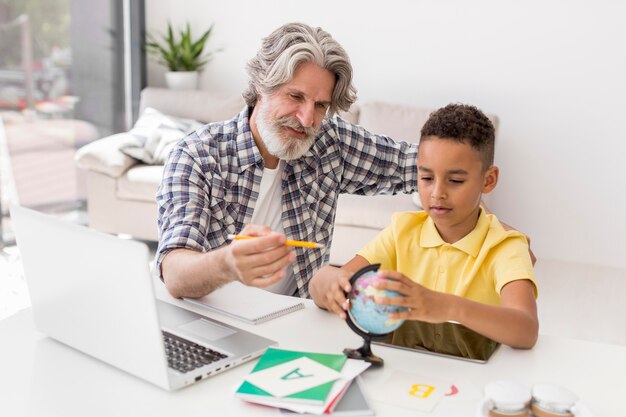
(292,376)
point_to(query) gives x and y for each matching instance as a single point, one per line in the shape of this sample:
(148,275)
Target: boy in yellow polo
(452,261)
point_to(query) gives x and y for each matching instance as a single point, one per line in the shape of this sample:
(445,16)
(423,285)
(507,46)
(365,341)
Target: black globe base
(364,353)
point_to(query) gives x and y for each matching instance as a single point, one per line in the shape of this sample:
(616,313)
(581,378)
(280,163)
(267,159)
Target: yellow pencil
(298,243)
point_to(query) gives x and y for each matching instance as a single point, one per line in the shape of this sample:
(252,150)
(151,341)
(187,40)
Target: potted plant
(183,56)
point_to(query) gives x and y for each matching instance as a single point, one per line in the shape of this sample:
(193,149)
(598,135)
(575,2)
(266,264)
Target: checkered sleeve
(183,198)
(375,164)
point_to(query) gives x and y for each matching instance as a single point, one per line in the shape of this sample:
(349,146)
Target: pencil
(298,243)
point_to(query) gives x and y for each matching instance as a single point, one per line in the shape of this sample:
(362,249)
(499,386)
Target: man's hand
(262,261)
(533,258)
(256,262)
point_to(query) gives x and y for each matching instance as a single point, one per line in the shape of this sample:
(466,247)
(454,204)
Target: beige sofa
(121,191)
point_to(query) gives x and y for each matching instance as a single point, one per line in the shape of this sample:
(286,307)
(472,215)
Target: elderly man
(274,171)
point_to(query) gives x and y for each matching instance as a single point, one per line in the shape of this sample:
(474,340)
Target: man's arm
(533,258)
(374,164)
(256,262)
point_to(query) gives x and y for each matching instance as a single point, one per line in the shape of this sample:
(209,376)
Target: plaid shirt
(211,183)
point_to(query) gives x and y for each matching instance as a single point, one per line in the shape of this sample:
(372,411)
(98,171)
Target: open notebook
(249,304)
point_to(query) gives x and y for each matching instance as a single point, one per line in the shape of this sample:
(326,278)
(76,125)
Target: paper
(462,390)
(418,392)
(249,304)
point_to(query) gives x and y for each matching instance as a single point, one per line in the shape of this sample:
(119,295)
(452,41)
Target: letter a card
(292,377)
(418,392)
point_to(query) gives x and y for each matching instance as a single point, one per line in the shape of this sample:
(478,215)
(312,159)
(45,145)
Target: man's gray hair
(290,45)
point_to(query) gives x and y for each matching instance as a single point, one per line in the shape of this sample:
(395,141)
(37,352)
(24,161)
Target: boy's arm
(513,323)
(328,285)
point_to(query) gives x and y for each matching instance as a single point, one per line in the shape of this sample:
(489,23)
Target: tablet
(449,339)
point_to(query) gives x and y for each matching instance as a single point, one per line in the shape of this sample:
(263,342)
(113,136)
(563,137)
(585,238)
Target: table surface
(42,377)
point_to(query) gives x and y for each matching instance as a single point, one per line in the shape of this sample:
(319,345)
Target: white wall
(554,72)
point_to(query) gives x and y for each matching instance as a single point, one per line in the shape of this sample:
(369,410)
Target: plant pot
(182,80)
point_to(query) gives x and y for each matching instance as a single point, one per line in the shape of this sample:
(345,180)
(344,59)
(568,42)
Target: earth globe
(367,318)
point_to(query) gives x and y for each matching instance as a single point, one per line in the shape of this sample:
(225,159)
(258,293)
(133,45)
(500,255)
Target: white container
(182,80)
(506,398)
(553,401)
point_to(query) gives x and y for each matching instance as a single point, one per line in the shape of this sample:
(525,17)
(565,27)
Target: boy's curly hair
(463,123)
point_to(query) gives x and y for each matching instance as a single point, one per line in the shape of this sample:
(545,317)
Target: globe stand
(364,353)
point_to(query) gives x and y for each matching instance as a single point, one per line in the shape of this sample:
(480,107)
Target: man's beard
(286,147)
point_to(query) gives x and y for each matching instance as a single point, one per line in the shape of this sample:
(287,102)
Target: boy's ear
(490,179)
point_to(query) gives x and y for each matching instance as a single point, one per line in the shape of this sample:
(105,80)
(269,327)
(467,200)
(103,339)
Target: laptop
(93,291)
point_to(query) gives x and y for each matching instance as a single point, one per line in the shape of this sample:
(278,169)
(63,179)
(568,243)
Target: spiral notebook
(249,304)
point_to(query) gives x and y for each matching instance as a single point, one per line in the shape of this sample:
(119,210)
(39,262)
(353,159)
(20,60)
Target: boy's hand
(328,288)
(423,304)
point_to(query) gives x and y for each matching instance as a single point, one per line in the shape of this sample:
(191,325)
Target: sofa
(121,188)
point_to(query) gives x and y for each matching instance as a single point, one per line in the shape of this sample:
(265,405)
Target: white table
(41,377)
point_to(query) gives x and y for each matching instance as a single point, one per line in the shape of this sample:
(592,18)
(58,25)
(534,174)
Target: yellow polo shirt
(475,267)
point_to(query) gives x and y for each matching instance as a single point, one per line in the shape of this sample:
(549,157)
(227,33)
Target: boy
(454,262)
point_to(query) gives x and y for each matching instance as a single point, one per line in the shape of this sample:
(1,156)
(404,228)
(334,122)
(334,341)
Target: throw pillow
(154,134)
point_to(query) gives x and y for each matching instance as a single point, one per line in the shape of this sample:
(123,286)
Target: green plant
(181,54)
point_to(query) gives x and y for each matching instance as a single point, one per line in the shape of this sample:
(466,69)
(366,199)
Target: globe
(365,316)
(371,317)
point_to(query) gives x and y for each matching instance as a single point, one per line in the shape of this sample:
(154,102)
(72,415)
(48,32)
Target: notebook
(94,293)
(249,304)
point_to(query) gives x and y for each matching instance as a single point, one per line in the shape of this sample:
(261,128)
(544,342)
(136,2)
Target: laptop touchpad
(206,329)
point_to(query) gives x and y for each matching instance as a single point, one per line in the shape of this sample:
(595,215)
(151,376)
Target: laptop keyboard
(184,355)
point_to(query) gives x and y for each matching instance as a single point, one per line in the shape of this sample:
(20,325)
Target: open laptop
(93,292)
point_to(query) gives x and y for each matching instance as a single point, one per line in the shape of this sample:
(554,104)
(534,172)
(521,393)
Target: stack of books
(303,382)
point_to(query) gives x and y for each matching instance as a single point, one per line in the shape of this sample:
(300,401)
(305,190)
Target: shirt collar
(470,244)
(247,151)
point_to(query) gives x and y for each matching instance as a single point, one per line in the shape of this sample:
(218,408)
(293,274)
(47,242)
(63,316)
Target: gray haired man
(274,171)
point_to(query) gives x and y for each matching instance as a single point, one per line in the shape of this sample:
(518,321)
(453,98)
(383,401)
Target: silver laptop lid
(93,292)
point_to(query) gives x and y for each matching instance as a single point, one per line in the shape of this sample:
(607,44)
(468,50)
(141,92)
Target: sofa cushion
(154,135)
(352,115)
(140,183)
(394,120)
(104,156)
(372,212)
(201,105)
(400,122)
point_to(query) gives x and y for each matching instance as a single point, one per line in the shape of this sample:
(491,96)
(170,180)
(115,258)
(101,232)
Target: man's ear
(490,179)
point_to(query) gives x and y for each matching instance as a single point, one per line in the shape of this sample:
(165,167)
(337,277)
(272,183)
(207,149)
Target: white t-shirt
(268,212)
